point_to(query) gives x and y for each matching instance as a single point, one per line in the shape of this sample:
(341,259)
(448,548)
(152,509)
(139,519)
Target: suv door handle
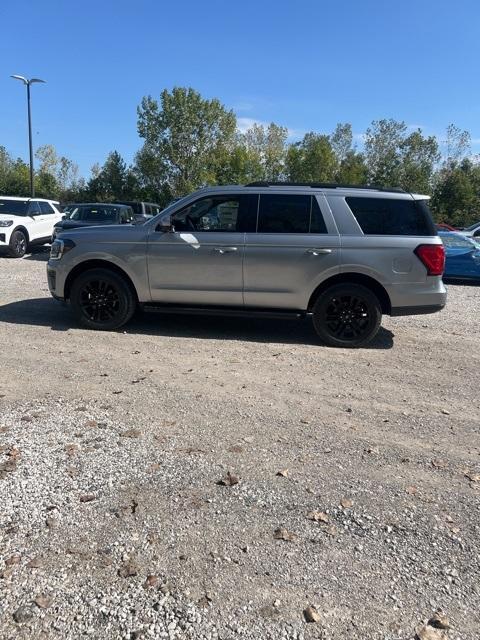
(225,249)
(318,252)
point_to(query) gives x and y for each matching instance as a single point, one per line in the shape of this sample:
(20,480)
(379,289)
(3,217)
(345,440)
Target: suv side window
(392,216)
(33,208)
(46,208)
(317,223)
(214,213)
(126,215)
(289,213)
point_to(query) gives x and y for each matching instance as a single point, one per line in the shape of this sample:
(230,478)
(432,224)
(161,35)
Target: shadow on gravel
(46,312)
(41,312)
(41,253)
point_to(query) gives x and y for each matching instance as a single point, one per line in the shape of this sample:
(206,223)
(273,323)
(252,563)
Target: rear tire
(18,244)
(347,315)
(101,299)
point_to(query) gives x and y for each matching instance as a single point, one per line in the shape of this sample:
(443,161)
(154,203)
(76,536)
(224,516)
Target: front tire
(101,299)
(18,244)
(347,315)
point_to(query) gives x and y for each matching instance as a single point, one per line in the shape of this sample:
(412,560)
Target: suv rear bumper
(417,297)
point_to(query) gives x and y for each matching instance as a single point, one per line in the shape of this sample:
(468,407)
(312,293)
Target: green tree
(419,155)
(185,138)
(14,175)
(395,159)
(56,175)
(114,181)
(456,195)
(312,159)
(265,151)
(351,167)
(383,140)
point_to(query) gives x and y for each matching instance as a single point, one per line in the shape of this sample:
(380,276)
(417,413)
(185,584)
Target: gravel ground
(350,478)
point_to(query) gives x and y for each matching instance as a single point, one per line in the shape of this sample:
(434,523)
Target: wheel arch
(23,230)
(357,278)
(96,264)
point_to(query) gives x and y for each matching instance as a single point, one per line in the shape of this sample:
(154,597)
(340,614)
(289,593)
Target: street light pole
(27,83)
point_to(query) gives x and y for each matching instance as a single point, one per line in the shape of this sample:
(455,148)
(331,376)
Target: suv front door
(296,246)
(200,262)
(47,218)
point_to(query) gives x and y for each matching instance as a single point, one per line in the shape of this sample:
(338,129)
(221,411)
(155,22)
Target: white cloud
(247,123)
(243,124)
(243,106)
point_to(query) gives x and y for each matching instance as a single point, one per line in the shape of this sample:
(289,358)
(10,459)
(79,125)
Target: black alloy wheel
(347,315)
(102,299)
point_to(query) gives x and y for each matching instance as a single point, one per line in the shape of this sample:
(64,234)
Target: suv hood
(12,216)
(104,233)
(74,224)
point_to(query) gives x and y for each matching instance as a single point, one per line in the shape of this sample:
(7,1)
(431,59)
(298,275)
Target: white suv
(25,222)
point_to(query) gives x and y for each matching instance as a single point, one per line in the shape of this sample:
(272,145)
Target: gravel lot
(358,475)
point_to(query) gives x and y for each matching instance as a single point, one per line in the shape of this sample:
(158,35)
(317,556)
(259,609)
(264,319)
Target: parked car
(342,255)
(473,231)
(462,256)
(143,210)
(443,226)
(25,222)
(94,214)
(67,209)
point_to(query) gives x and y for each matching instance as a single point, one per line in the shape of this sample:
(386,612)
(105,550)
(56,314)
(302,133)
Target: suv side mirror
(165,227)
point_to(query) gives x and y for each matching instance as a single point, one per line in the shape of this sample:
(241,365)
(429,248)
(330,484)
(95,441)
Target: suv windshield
(14,207)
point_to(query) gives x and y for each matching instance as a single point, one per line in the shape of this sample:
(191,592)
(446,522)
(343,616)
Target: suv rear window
(95,214)
(392,216)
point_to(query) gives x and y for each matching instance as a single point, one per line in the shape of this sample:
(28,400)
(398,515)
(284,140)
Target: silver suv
(343,255)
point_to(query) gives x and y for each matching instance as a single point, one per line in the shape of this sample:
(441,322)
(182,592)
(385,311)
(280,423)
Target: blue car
(462,256)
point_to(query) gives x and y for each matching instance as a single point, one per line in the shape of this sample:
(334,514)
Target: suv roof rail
(323,185)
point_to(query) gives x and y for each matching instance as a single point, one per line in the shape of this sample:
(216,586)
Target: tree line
(190,141)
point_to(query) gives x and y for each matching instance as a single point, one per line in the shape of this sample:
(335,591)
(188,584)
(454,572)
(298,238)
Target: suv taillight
(432,257)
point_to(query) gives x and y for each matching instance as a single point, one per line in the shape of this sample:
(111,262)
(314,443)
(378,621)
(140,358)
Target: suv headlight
(60,247)
(6,223)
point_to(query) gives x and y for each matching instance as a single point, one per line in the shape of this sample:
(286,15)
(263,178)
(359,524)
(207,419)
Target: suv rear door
(295,247)
(200,263)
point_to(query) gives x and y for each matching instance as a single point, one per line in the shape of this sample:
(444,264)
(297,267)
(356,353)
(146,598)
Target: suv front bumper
(56,279)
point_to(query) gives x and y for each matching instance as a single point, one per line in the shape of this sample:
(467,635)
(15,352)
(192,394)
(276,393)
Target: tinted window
(392,217)
(33,208)
(100,215)
(14,207)
(284,213)
(280,213)
(218,213)
(317,223)
(45,207)
(126,215)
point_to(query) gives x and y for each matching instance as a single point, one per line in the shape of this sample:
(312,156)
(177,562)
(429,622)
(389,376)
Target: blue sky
(304,64)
